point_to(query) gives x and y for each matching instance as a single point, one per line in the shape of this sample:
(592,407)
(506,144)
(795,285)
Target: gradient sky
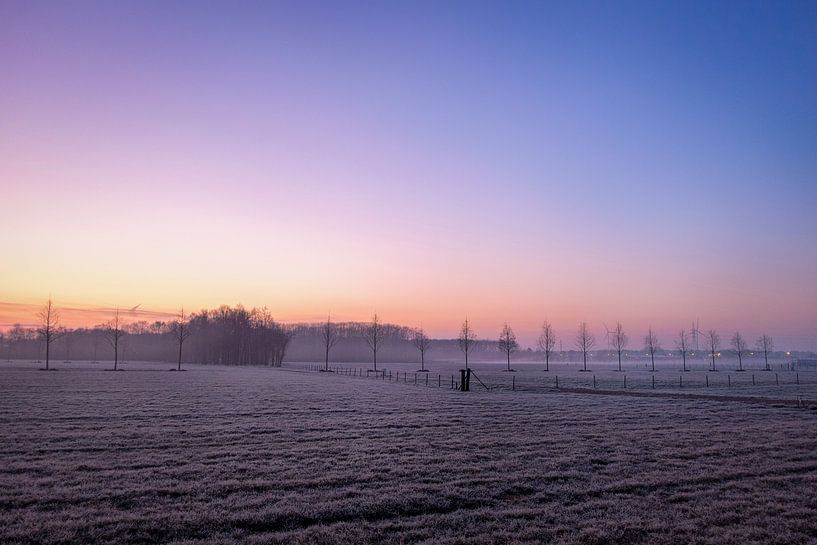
(649,162)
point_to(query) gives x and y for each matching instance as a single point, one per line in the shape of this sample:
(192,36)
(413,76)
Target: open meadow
(260,455)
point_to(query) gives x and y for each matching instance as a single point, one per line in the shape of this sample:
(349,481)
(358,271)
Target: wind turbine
(607,336)
(695,332)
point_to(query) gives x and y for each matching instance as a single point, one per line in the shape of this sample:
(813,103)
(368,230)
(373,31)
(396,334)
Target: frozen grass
(779,384)
(219,455)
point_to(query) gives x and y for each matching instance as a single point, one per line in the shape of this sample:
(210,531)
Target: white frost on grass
(275,456)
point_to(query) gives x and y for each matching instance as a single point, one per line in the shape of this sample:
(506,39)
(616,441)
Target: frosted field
(778,384)
(217,455)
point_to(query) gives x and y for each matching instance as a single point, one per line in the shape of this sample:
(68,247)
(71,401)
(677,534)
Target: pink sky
(416,165)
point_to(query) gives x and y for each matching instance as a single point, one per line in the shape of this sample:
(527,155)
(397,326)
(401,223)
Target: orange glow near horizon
(427,172)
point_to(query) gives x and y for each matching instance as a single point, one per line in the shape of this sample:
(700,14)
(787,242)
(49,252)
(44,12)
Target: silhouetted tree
(330,338)
(422,343)
(584,342)
(114,331)
(652,345)
(546,342)
(374,338)
(507,342)
(765,344)
(466,340)
(237,336)
(619,341)
(180,331)
(714,341)
(739,344)
(682,344)
(49,320)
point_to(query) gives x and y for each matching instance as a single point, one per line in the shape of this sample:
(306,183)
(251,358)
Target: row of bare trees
(230,336)
(584,342)
(251,337)
(49,330)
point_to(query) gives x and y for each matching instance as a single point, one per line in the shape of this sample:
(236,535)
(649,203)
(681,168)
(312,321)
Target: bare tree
(584,342)
(619,341)
(714,341)
(682,344)
(547,340)
(374,338)
(180,331)
(114,331)
(422,343)
(765,344)
(739,344)
(48,330)
(330,338)
(652,345)
(507,342)
(467,340)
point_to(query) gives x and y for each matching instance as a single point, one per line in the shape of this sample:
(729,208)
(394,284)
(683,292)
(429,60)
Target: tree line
(239,336)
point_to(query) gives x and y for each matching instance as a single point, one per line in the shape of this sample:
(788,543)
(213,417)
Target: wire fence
(799,387)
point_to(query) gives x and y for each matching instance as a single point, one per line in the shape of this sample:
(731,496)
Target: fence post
(776,379)
(426,379)
(729,380)
(753,380)
(594,382)
(707,381)
(797,378)
(625,382)
(557,382)
(513,383)
(653,382)
(680,381)
(415,379)
(452,382)
(438,381)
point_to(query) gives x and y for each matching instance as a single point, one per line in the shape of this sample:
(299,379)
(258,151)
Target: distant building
(805,364)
